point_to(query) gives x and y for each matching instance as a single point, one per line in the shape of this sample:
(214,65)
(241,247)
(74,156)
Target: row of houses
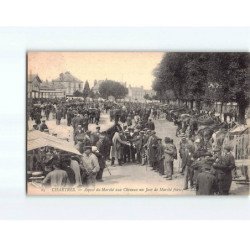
(66,84)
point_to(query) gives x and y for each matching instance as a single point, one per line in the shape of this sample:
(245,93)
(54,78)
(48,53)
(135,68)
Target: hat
(141,132)
(207,167)
(86,148)
(228,147)
(198,140)
(98,126)
(126,131)
(79,126)
(217,149)
(167,139)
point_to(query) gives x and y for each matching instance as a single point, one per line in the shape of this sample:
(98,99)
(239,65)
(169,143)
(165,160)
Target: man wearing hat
(160,157)
(85,122)
(70,115)
(152,148)
(73,120)
(43,126)
(101,162)
(138,143)
(95,136)
(206,183)
(184,152)
(57,177)
(170,152)
(58,116)
(224,166)
(103,145)
(79,133)
(117,147)
(150,124)
(90,166)
(144,148)
(126,148)
(132,135)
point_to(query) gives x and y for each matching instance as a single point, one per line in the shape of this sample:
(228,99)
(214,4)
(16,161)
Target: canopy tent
(37,139)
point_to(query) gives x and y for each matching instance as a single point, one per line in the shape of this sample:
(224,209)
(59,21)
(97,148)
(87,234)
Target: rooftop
(67,77)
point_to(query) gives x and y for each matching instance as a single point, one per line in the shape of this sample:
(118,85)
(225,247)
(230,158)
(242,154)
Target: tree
(112,88)
(147,97)
(204,77)
(171,74)
(77,93)
(93,95)
(86,89)
(229,71)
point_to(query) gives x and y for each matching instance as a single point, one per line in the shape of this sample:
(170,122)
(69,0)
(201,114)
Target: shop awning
(37,139)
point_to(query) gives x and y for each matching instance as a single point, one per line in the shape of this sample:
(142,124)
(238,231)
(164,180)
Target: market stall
(238,138)
(41,148)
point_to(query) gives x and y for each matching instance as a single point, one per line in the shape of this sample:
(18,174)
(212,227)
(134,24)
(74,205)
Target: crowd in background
(205,161)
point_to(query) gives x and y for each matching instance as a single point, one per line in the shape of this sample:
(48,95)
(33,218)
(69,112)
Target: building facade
(69,82)
(138,93)
(52,90)
(33,87)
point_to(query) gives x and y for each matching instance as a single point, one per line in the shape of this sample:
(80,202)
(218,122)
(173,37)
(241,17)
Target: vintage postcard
(137,123)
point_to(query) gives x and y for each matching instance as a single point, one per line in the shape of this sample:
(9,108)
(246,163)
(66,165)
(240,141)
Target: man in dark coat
(224,166)
(85,122)
(184,153)
(103,145)
(206,182)
(150,124)
(101,161)
(152,149)
(79,133)
(65,162)
(43,126)
(70,115)
(95,136)
(37,117)
(58,117)
(47,112)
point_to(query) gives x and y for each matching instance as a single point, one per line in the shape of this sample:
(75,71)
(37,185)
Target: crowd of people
(205,161)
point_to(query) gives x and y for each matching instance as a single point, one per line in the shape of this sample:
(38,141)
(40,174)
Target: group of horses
(206,127)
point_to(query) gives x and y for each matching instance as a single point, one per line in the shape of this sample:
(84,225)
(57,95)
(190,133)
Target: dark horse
(107,140)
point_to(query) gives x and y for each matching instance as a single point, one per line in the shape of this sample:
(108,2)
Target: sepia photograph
(137,123)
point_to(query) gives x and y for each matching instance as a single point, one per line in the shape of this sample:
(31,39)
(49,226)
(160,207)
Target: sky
(134,68)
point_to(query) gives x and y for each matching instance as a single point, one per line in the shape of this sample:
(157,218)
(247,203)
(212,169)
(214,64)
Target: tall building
(138,93)
(69,82)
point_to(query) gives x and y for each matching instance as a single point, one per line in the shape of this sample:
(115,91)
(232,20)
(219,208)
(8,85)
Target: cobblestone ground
(134,178)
